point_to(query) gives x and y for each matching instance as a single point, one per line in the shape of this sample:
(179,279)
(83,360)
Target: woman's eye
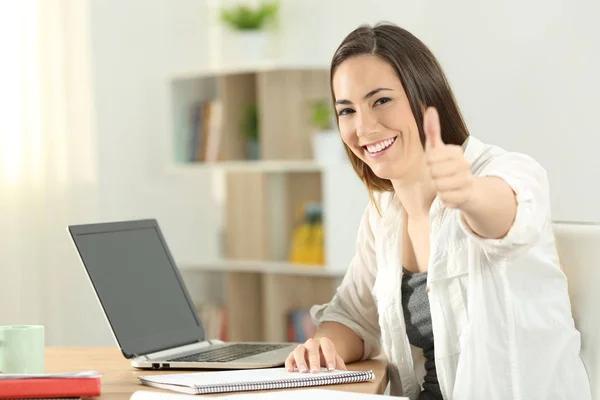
(345,111)
(382,100)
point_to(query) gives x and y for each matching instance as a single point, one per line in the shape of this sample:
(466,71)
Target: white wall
(136,45)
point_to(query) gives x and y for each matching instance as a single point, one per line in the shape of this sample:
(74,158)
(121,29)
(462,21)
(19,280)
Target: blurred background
(214,118)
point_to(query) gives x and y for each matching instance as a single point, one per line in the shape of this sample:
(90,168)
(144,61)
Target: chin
(384,173)
(388,171)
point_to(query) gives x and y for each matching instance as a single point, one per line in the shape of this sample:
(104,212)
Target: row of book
(201,136)
(300,327)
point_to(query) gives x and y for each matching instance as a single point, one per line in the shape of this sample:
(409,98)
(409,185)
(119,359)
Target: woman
(455,277)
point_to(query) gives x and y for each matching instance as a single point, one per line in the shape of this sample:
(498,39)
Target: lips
(380,146)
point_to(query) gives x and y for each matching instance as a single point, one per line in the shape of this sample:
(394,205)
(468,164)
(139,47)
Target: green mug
(22,349)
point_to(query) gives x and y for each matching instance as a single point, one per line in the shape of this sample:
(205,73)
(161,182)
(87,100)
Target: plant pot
(328,148)
(252,46)
(253,149)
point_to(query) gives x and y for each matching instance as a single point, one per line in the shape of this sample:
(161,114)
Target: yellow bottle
(299,244)
(307,241)
(316,244)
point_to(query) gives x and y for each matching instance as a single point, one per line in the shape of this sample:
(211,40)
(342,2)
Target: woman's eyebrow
(366,96)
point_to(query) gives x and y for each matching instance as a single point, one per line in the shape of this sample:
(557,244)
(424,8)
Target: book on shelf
(214,128)
(204,136)
(215,320)
(300,326)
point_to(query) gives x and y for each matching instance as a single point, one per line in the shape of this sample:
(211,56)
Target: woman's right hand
(314,354)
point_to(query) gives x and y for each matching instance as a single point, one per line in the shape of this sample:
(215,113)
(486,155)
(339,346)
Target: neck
(416,192)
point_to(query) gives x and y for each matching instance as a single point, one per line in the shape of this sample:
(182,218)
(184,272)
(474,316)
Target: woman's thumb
(431,124)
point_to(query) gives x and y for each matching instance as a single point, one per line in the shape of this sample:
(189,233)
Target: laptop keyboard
(229,353)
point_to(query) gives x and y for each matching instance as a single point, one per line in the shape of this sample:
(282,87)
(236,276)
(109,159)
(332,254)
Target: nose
(366,123)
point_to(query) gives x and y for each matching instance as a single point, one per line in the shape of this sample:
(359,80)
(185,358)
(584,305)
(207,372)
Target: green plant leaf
(243,17)
(250,123)
(321,114)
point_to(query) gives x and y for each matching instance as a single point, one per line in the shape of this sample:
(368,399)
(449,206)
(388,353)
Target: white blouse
(500,309)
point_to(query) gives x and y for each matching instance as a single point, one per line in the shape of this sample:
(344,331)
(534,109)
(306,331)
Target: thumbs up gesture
(447,165)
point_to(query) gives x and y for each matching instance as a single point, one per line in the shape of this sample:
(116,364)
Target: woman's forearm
(347,343)
(491,211)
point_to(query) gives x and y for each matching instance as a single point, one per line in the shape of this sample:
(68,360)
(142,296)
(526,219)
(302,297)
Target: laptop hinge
(137,355)
(176,351)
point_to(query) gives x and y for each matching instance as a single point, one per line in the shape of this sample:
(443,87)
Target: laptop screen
(138,285)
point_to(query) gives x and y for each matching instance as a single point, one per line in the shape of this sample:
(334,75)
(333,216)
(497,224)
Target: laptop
(147,304)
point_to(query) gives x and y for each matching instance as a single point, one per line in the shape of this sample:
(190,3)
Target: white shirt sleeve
(529,181)
(353,305)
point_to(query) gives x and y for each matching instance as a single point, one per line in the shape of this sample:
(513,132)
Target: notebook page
(232,377)
(299,394)
(304,394)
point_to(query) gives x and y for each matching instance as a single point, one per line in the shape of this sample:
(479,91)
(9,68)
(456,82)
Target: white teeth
(379,146)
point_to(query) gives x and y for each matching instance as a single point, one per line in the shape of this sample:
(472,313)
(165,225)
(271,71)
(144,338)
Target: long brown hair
(422,78)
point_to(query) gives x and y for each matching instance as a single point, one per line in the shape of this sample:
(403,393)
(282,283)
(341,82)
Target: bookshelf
(281,97)
(262,197)
(263,267)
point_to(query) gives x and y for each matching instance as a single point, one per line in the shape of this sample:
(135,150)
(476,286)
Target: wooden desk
(119,379)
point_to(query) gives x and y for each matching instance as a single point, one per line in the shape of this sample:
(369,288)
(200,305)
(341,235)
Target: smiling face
(375,118)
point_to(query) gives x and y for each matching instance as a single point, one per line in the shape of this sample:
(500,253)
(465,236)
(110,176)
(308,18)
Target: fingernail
(303,369)
(290,369)
(330,366)
(314,370)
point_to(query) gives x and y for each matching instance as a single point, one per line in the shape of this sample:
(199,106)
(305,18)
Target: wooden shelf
(250,166)
(245,68)
(263,267)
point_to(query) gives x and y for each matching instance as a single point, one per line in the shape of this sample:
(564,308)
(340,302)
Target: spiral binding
(316,380)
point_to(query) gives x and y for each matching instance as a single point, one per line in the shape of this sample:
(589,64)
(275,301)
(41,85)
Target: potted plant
(321,115)
(250,129)
(250,26)
(326,142)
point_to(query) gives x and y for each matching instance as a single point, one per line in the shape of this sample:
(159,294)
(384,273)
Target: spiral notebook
(248,380)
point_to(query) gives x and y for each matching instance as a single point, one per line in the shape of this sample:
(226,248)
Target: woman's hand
(488,204)
(448,167)
(314,354)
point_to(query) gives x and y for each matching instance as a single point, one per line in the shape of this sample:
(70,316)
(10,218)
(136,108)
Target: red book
(30,388)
